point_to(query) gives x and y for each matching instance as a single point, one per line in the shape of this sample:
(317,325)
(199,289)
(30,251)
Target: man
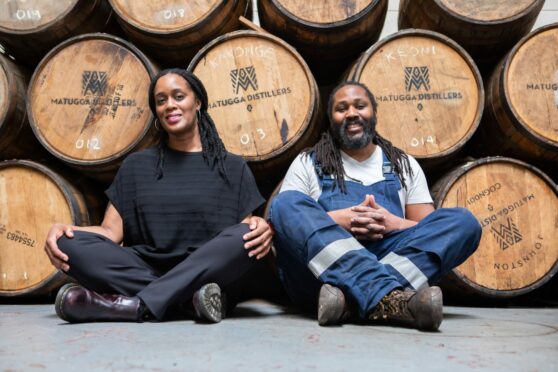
(356,228)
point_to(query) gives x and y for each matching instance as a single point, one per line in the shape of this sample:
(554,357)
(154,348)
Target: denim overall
(312,249)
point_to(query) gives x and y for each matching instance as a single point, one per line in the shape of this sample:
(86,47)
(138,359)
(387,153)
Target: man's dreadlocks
(213,149)
(328,155)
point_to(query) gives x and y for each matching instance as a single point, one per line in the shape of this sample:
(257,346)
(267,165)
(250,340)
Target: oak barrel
(32,198)
(326,33)
(521,113)
(16,137)
(30,28)
(486,29)
(262,97)
(172,31)
(429,91)
(517,207)
(88,103)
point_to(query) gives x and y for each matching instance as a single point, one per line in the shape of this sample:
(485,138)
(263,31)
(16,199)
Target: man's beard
(339,133)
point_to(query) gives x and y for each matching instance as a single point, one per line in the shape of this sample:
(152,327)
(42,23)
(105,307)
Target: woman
(183,212)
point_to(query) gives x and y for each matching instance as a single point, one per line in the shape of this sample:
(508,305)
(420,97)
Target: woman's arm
(259,239)
(111,227)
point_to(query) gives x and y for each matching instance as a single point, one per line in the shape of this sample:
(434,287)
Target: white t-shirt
(302,177)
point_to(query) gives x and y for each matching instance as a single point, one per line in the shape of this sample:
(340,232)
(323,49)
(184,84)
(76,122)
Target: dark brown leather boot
(76,304)
(422,309)
(332,306)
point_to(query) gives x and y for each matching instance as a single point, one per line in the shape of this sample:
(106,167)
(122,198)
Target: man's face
(353,120)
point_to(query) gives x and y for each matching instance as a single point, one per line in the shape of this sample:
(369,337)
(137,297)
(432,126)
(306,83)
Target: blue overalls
(312,249)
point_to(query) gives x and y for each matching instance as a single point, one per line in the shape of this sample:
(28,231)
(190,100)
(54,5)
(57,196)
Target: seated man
(355,225)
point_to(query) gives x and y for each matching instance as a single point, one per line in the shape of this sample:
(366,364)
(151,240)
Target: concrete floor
(262,336)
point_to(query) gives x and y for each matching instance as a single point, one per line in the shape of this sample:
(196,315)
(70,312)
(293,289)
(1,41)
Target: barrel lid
(429,92)
(530,84)
(516,205)
(28,16)
(32,200)
(165,16)
(262,95)
(88,99)
(493,11)
(325,12)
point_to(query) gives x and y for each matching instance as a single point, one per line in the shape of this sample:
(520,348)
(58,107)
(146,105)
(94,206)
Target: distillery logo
(244,78)
(417,77)
(94,83)
(507,235)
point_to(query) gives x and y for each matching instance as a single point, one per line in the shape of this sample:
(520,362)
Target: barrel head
(516,206)
(87,100)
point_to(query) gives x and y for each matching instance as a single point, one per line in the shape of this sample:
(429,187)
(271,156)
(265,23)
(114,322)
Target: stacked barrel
(511,188)
(460,79)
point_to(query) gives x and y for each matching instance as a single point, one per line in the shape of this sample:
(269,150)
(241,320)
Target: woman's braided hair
(328,155)
(213,149)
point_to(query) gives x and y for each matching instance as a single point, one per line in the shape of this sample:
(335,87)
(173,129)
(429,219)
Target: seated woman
(183,211)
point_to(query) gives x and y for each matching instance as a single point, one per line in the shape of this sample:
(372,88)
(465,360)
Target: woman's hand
(259,239)
(55,255)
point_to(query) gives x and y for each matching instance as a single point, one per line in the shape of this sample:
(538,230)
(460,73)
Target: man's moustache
(346,123)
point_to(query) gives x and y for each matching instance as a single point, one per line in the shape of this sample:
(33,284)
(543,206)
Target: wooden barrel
(517,207)
(328,33)
(262,97)
(88,103)
(521,113)
(16,137)
(32,198)
(30,28)
(486,29)
(429,92)
(172,31)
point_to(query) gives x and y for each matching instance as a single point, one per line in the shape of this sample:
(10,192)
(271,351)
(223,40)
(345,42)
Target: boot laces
(393,305)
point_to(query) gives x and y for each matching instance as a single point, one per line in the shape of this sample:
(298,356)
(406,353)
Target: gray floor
(263,336)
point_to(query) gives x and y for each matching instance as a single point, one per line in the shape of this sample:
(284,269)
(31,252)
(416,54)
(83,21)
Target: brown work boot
(209,303)
(420,309)
(75,304)
(332,306)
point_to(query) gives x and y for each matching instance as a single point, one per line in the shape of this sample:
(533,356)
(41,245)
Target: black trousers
(103,266)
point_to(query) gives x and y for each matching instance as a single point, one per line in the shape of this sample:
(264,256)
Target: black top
(187,207)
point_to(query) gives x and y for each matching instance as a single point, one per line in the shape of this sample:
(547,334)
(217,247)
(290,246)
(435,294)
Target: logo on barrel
(244,78)
(416,77)
(94,82)
(507,235)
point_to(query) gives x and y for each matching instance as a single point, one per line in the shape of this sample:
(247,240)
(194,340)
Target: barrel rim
(75,215)
(356,74)
(535,4)
(45,26)
(151,71)
(503,90)
(314,92)
(46,285)
(332,25)
(9,108)
(168,34)
(454,175)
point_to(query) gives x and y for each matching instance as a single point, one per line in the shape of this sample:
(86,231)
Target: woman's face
(176,105)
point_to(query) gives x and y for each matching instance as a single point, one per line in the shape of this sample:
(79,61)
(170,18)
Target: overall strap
(388,171)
